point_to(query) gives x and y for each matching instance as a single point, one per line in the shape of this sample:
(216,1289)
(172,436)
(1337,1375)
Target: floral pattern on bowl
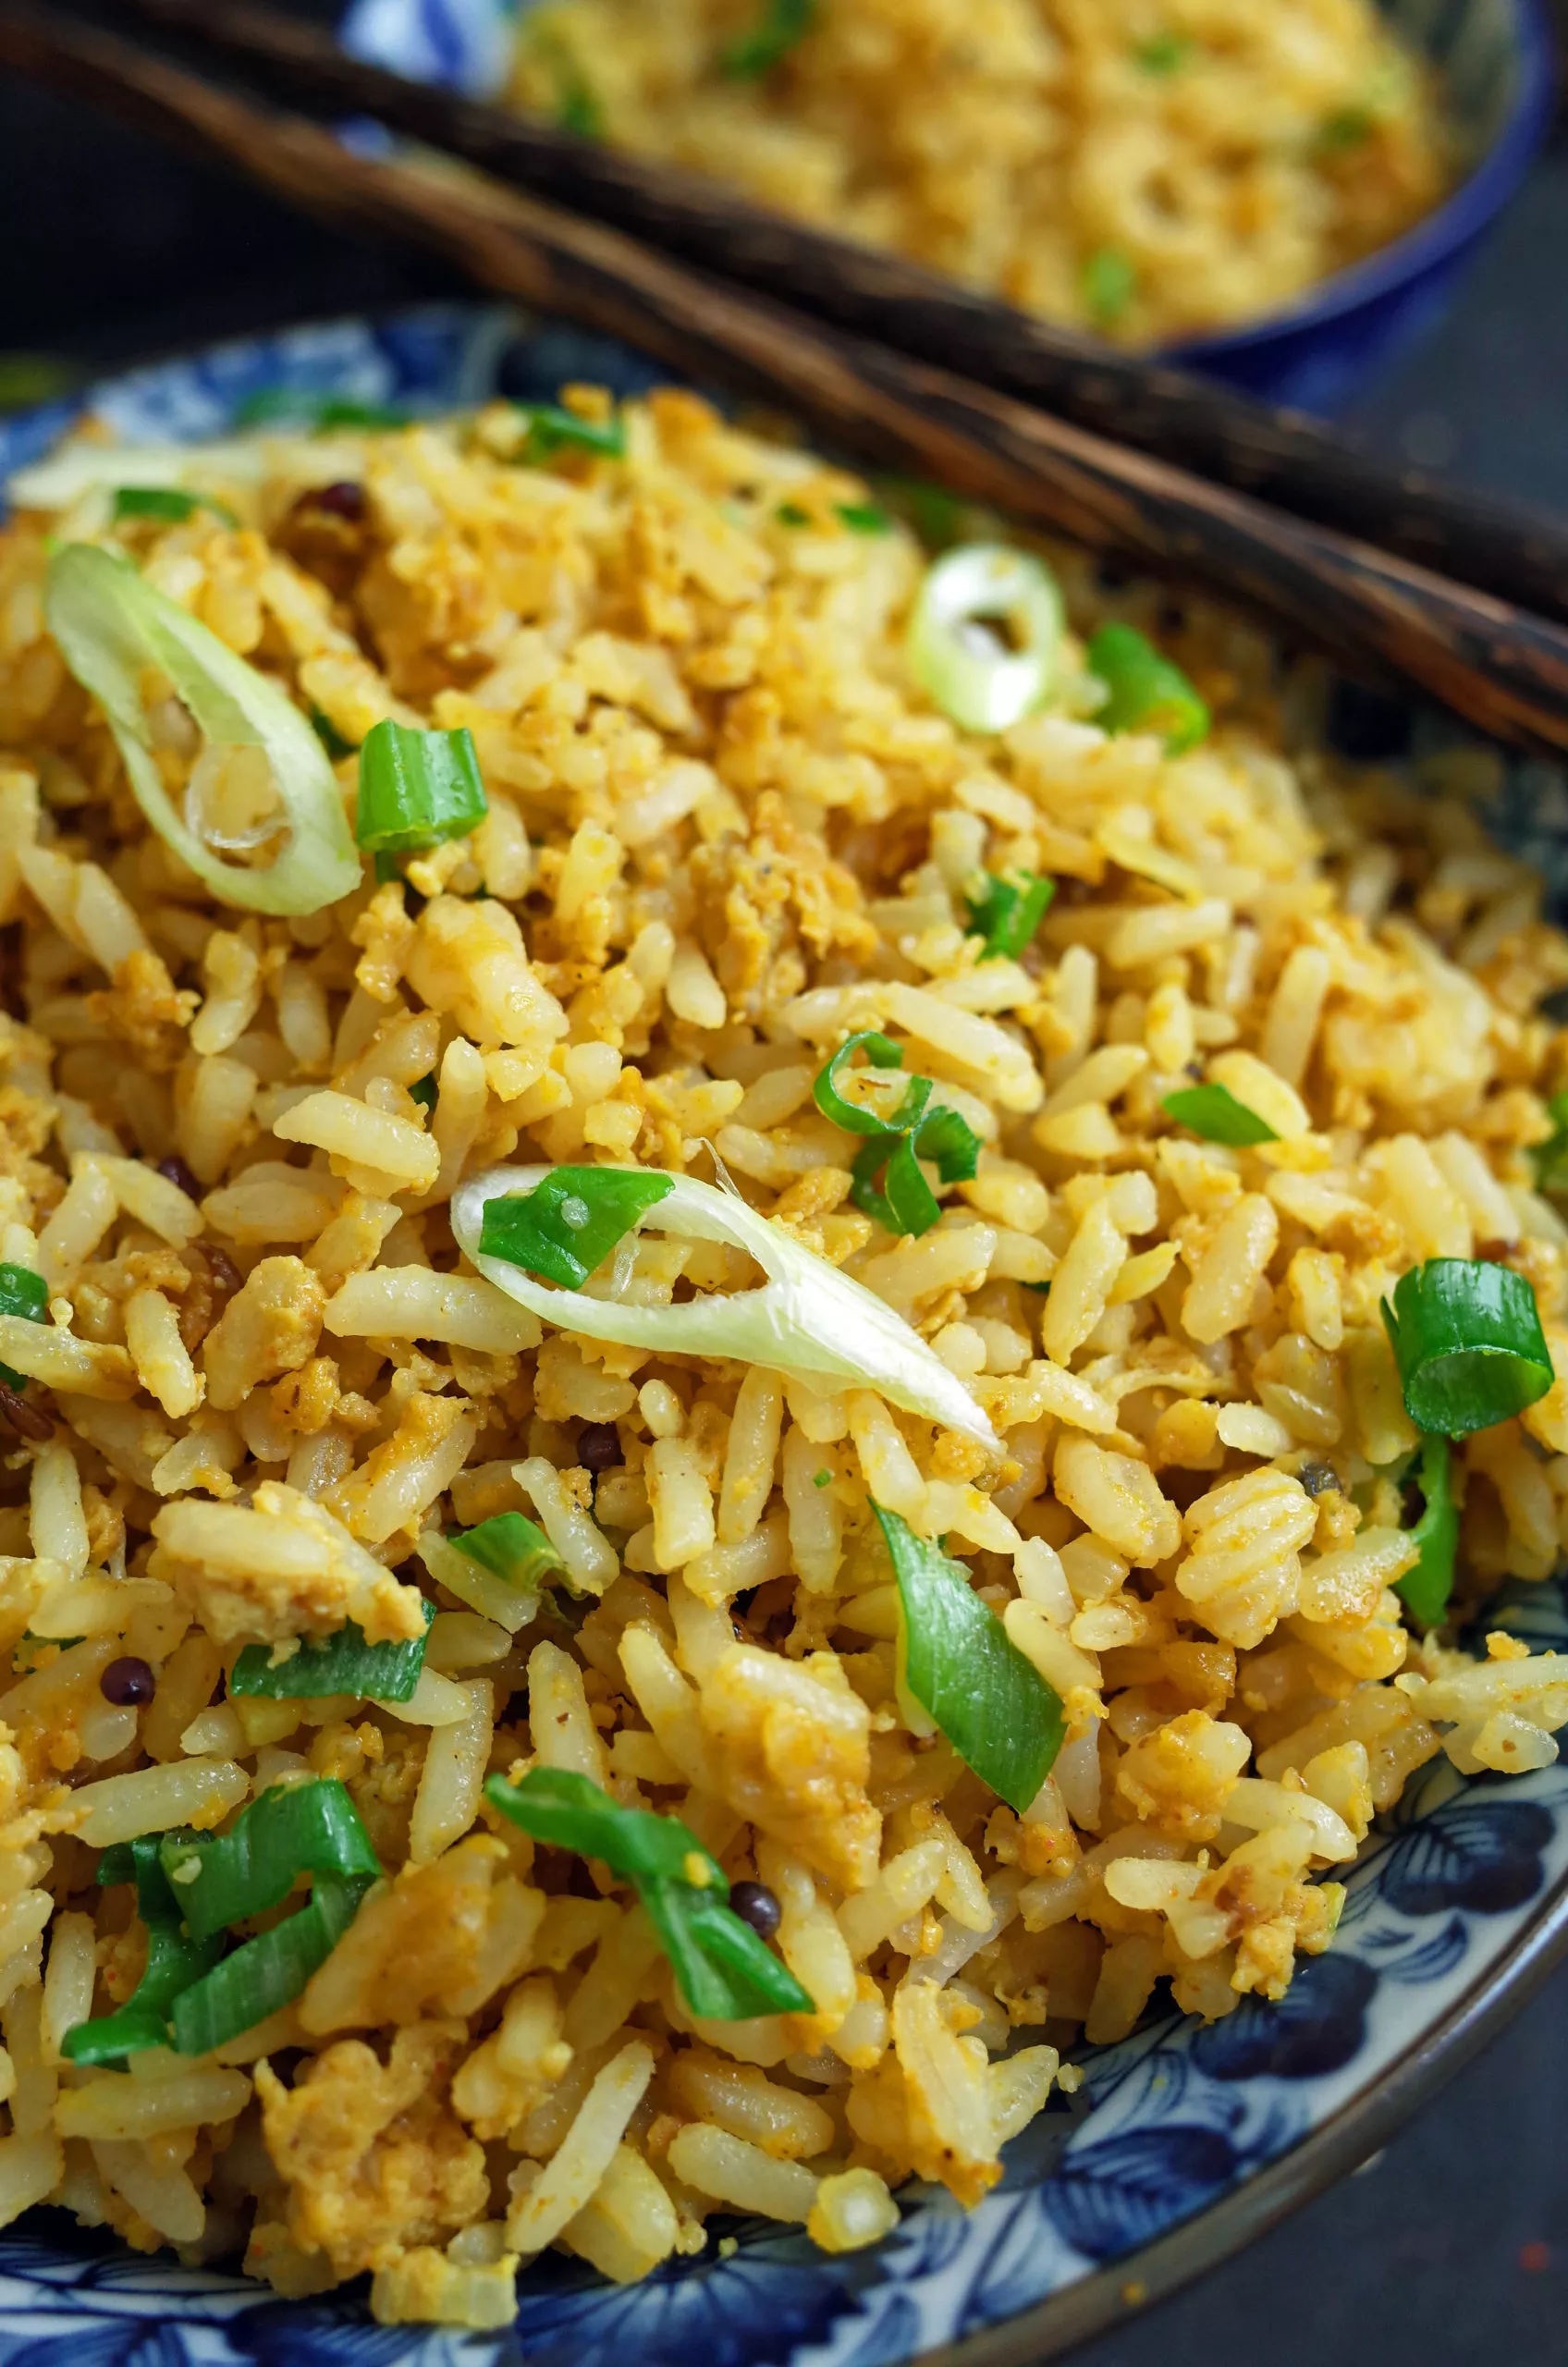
(1457,1902)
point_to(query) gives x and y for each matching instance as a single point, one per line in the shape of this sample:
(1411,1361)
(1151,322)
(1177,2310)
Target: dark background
(1451,2249)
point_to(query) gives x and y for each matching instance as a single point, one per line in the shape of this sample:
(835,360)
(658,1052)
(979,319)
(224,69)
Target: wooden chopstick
(1280,457)
(1502,669)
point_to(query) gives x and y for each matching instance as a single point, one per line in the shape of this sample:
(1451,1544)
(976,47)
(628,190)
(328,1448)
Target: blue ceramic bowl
(1183,2141)
(1497,63)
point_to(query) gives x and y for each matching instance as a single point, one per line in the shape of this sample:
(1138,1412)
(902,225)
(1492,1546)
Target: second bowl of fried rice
(776,1299)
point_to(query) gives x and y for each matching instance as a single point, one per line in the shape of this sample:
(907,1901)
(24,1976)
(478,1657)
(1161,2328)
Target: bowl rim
(1461,218)
(1114,2295)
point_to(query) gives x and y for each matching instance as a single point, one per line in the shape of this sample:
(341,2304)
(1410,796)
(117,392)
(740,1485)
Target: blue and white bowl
(1183,2142)
(1495,61)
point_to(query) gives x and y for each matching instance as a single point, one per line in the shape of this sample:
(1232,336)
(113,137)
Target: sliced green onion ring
(1006,909)
(859,1117)
(807,1317)
(550,429)
(25,1293)
(170,503)
(339,1663)
(174,1961)
(1147,693)
(725,1970)
(566,1228)
(289,1830)
(1468,1338)
(965,1672)
(906,1202)
(266,1973)
(783,26)
(111,626)
(1213,1112)
(1426,1590)
(512,1548)
(417,788)
(986,634)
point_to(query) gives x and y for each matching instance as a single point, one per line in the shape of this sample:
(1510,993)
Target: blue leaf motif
(1484,1853)
(107,2342)
(319,2333)
(1435,1959)
(1317,2027)
(1109,2198)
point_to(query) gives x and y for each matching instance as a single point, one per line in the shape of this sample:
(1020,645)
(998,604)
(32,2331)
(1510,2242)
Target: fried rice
(726,829)
(1146,169)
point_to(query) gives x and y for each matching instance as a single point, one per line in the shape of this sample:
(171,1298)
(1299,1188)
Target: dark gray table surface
(1453,2247)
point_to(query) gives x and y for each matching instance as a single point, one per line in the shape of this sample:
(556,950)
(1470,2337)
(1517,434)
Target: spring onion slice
(1213,1113)
(339,1663)
(290,1830)
(168,504)
(26,1294)
(551,430)
(906,1203)
(1426,1590)
(174,1961)
(1006,909)
(417,788)
(266,1973)
(566,1228)
(511,1547)
(806,1318)
(1109,283)
(425,1092)
(81,468)
(784,25)
(1468,1338)
(1147,692)
(298,407)
(111,626)
(1551,1158)
(985,636)
(725,1970)
(859,1117)
(964,1670)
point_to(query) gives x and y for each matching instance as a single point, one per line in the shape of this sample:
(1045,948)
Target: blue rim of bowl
(1114,2295)
(1461,218)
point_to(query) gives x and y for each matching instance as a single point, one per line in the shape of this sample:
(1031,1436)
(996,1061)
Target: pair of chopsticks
(862,354)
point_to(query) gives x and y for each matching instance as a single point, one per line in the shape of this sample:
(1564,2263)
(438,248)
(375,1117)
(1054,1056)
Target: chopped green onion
(1007,909)
(962,1666)
(566,1228)
(112,628)
(822,1479)
(906,1202)
(1147,692)
(789,513)
(174,1961)
(1346,129)
(425,1092)
(331,739)
(1164,54)
(417,788)
(725,1971)
(1427,1588)
(1109,283)
(290,1830)
(1213,1113)
(339,1663)
(26,1294)
(511,1547)
(266,1973)
(1468,1342)
(985,635)
(1551,1158)
(297,407)
(552,430)
(167,503)
(862,517)
(784,26)
(859,1117)
(806,1317)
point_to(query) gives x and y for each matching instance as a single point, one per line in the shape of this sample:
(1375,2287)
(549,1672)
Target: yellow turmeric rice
(1146,169)
(1077,1466)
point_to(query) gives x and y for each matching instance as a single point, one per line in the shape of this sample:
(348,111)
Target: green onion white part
(111,626)
(807,1318)
(957,653)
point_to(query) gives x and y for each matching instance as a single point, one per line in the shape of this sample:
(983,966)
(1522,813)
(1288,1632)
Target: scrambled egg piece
(373,2159)
(279,1567)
